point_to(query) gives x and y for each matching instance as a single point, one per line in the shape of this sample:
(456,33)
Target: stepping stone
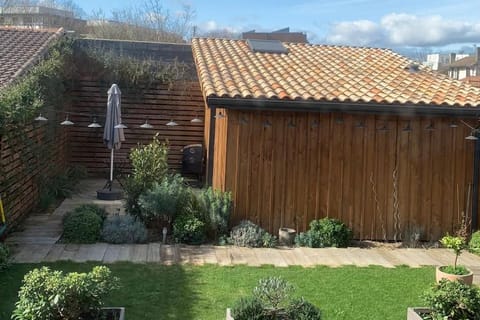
(31,253)
(153,252)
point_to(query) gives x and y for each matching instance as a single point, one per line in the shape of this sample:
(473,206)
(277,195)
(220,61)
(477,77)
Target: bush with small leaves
(474,244)
(51,295)
(248,309)
(164,200)
(189,229)
(99,211)
(124,229)
(217,206)
(81,227)
(325,232)
(271,300)
(4,256)
(453,300)
(248,234)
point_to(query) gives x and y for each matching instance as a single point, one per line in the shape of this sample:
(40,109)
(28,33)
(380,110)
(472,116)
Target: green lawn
(187,292)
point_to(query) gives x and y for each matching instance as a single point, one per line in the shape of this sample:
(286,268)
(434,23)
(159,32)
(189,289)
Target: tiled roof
(19,48)
(472,80)
(229,69)
(464,62)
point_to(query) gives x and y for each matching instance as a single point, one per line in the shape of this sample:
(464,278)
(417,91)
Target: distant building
(39,17)
(437,61)
(466,67)
(283,35)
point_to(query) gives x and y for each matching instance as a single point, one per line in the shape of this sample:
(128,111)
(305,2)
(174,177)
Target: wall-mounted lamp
(407,127)
(40,118)
(94,123)
(146,125)
(172,123)
(66,122)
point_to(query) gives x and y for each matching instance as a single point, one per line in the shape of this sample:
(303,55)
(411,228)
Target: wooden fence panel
(158,104)
(382,179)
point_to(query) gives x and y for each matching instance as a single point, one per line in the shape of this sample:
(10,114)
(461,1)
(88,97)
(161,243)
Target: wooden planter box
(414,313)
(114,313)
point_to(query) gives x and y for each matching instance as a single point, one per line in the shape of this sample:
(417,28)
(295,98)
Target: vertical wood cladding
(373,173)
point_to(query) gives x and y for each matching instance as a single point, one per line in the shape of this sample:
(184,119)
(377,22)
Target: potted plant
(455,272)
(448,300)
(49,294)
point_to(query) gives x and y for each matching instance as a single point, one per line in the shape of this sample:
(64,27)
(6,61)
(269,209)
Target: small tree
(457,244)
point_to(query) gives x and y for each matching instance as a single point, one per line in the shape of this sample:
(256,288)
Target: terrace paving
(37,242)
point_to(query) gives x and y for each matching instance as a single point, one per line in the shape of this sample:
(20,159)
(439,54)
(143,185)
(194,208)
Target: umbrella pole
(111,169)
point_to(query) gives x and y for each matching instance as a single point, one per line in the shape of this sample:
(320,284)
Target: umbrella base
(109,194)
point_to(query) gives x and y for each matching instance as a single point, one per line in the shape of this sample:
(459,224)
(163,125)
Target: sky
(421,24)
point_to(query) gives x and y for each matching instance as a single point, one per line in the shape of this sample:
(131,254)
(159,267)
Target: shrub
(99,211)
(165,199)
(189,229)
(453,300)
(271,300)
(248,309)
(124,229)
(81,227)
(248,234)
(4,256)
(149,166)
(300,309)
(474,244)
(52,295)
(218,207)
(325,232)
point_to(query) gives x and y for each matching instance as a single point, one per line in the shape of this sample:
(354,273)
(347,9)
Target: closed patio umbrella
(113,133)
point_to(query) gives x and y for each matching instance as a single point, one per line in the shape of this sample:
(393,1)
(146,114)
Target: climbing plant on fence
(29,152)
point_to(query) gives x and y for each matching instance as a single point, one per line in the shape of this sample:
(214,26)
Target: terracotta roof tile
(228,68)
(19,48)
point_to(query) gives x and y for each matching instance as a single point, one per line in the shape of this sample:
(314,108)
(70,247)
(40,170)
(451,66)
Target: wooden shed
(299,132)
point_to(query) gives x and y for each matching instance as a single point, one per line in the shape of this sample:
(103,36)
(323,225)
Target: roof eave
(338,106)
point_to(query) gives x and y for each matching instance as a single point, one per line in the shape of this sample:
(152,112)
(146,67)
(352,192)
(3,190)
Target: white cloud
(404,30)
(361,33)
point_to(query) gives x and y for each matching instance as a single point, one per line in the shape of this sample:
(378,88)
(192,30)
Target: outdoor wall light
(315,124)
(146,125)
(291,124)
(94,124)
(453,124)
(66,122)
(172,123)
(120,126)
(471,136)
(407,128)
(196,120)
(267,124)
(40,118)
(243,120)
(430,127)
(220,115)
(383,128)
(360,124)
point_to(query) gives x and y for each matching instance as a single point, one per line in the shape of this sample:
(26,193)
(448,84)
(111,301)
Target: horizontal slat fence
(373,173)
(38,150)
(158,104)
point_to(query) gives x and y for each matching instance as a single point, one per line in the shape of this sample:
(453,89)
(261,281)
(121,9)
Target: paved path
(37,243)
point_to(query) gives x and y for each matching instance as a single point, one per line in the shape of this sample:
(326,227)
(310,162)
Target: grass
(159,292)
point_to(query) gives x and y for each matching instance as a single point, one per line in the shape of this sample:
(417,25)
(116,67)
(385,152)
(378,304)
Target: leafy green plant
(164,200)
(99,211)
(149,166)
(248,234)
(218,207)
(474,244)
(81,226)
(271,299)
(249,308)
(187,228)
(453,300)
(457,244)
(51,295)
(124,229)
(325,232)
(4,256)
